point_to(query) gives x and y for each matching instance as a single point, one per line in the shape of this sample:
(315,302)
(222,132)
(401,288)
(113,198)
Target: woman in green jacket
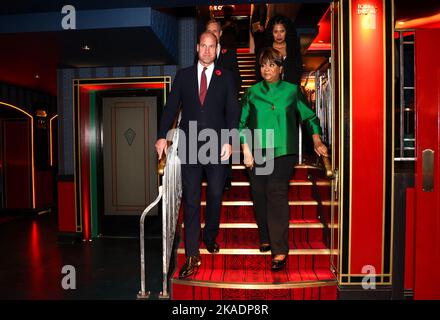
(272,105)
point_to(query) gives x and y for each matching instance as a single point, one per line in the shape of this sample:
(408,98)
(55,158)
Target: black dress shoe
(212,247)
(264,247)
(278,264)
(190,266)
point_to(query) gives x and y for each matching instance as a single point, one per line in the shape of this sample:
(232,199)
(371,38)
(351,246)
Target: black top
(292,64)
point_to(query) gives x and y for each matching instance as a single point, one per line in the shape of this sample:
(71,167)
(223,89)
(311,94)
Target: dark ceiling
(26,55)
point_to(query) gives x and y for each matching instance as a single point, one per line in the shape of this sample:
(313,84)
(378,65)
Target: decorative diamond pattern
(129,135)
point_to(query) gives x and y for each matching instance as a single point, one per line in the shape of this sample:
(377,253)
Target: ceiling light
(86,48)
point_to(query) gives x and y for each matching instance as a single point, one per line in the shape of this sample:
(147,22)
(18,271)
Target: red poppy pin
(218,72)
(224,51)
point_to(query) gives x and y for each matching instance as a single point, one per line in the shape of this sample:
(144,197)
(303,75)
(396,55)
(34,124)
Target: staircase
(240,271)
(246,65)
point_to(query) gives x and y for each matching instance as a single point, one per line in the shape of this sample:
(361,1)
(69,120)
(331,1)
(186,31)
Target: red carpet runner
(239,271)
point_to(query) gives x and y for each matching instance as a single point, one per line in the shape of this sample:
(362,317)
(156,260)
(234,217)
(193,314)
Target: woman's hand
(320,148)
(248,158)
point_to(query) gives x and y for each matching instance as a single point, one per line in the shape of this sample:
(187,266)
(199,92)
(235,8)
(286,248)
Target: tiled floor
(107,268)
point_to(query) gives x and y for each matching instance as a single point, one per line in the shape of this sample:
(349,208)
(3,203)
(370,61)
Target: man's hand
(161,146)
(226,152)
(320,148)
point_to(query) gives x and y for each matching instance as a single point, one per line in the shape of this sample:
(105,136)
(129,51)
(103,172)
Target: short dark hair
(206,33)
(213,21)
(270,54)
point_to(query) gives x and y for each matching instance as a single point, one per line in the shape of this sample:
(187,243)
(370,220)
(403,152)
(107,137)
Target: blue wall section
(85,19)
(27,99)
(187,40)
(165,26)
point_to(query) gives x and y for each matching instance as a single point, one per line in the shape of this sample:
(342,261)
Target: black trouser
(192,187)
(271,204)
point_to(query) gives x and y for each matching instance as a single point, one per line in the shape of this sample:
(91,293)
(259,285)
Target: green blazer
(275,106)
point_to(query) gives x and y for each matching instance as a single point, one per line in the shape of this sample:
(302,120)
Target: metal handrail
(170,192)
(143,294)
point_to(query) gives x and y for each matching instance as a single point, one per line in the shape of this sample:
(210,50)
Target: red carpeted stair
(239,271)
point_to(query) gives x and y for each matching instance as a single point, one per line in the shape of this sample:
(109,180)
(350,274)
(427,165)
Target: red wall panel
(17,166)
(66,206)
(367,140)
(409,239)
(427,219)
(44,188)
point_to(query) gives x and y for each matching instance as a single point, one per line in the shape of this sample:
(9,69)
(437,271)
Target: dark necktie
(203,86)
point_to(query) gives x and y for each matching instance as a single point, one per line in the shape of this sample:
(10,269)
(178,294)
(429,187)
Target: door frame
(100,96)
(85,143)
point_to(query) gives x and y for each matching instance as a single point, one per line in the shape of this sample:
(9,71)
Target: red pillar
(366,159)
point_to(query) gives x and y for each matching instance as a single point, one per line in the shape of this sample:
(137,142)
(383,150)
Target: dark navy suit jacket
(227,59)
(220,109)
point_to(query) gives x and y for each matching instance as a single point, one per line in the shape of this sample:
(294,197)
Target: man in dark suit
(227,59)
(208,98)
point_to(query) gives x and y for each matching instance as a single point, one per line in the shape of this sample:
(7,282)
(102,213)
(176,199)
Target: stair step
(234,238)
(189,292)
(292,225)
(298,191)
(291,203)
(247,70)
(237,251)
(245,214)
(291,183)
(248,75)
(239,172)
(258,279)
(297,166)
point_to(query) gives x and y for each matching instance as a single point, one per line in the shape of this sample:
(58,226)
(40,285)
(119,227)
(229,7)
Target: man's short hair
(208,33)
(213,21)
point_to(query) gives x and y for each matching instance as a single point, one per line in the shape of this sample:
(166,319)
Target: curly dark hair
(288,25)
(293,63)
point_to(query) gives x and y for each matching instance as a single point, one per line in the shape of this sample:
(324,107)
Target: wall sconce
(368,15)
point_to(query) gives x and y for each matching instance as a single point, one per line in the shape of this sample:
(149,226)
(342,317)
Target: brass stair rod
(328,167)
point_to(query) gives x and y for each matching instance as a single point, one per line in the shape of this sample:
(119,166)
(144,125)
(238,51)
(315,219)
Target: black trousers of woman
(271,204)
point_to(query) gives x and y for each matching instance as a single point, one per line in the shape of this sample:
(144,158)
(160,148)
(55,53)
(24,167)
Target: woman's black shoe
(278,264)
(264,247)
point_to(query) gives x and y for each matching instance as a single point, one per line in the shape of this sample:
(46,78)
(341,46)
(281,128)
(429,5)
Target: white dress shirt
(208,72)
(218,50)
